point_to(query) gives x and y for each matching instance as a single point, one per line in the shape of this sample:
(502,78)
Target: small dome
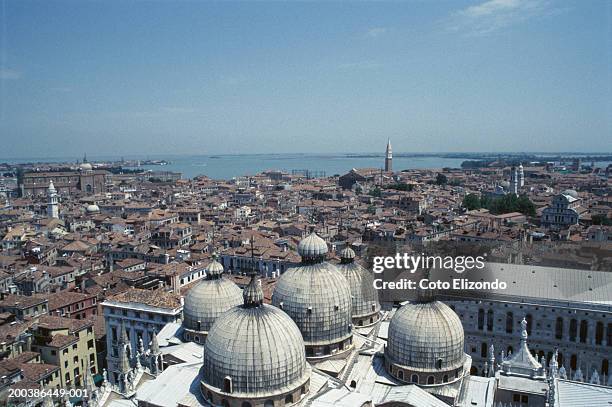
(214,267)
(86,167)
(347,253)
(93,208)
(571,193)
(257,348)
(364,301)
(312,247)
(210,298)
(426,337)
(51,187)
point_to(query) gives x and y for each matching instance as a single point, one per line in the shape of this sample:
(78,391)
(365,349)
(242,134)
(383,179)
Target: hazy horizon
(212,78)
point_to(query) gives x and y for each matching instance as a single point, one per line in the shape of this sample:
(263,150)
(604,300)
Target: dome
(210,298)
(254,351)
(365,307)
(93,208)
(318,298)
(347,253)
(86,167)
(426,337)
(312,247)
(571,193)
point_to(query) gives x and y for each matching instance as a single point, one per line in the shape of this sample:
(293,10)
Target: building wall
(74,358)
(140,321)
(585,343)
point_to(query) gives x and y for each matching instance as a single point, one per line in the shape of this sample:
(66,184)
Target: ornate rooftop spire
(522,363)
(253,293)
(155,345)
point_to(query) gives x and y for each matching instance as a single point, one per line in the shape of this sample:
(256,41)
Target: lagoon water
(228,166)
(232,165)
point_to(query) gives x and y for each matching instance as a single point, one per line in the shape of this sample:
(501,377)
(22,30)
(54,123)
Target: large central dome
(318,298)
(255,353)
(425,344)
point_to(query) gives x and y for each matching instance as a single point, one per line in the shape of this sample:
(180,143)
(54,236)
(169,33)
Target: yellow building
(66,343)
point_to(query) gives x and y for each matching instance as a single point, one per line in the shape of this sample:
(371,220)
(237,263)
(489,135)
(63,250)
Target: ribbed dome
(259,348)
(207,301)
(214,268)
(364,295)
(426,337)
(318,298)
(347,254)
(312,247)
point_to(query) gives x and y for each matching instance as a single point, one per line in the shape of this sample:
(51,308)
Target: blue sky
(120,77)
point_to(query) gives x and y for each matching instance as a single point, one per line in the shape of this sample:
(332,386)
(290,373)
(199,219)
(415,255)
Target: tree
(510,203)
(471,202)
(375,192)
(601,220)
(401,186)
(441,179)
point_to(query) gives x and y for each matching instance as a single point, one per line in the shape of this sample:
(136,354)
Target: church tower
(521,174)
(52,202)
(388,157)
(514,182)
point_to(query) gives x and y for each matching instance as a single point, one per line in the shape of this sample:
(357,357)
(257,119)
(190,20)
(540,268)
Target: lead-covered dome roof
(364,296)
(210,298)
(312,247)
(258,347)
(316,296)
(426,336)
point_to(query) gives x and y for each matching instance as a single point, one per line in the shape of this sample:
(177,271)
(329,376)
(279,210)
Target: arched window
(573,330)
(227,384)
(509,350)
(584,327)
(445,378)
(509,322)
(481,314)
(574,362)
(599,333)
(400,374)
(289,398)
(559,328)
(560,359)
(473,371)
(360,323)
(439,364)
(483,350)
(353,384)
(415,378)
(605,367)
(268,403)
(430,380)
